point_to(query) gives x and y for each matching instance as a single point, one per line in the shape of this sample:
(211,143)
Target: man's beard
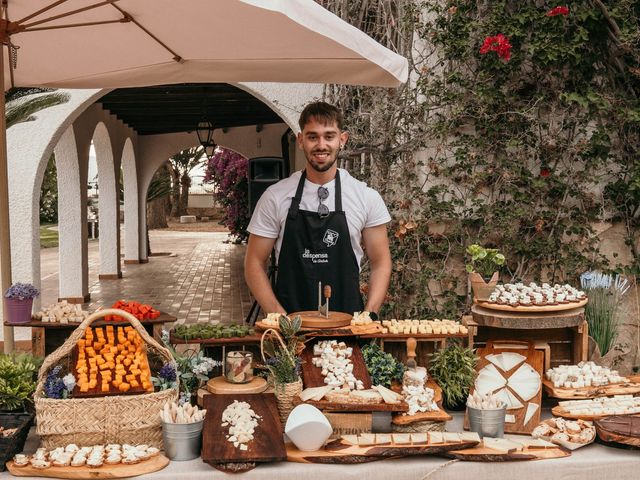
(321,168)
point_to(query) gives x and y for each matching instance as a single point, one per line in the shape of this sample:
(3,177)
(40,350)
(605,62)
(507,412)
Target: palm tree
(21,109)
(181,165)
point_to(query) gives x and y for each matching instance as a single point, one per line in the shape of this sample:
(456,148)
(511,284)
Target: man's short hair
(322,112)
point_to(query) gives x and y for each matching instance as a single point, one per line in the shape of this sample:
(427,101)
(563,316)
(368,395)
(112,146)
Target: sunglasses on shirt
(323,210)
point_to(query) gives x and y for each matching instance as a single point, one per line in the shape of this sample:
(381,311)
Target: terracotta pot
(482,289)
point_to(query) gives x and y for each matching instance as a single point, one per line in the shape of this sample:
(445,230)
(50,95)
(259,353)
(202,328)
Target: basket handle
(77,334)
(279,337)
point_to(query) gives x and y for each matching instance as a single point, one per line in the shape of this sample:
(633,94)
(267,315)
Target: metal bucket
(488,423)
(182,441)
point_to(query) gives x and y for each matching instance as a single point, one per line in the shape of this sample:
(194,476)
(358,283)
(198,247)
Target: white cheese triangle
(489,380)
(525,382)
(532,408)
(511,360)
(496,360)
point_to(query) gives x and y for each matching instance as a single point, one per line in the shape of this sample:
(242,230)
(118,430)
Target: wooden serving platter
(106,471)
(354,407)
(312,375)
(584,393)
(437,416)
(342,452)
(619,429)
(558,411)
(220,386)
(484,454)
(267,444)
(313,319)
(532,308)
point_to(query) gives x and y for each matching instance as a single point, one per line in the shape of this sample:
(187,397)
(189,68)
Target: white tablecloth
(593,462)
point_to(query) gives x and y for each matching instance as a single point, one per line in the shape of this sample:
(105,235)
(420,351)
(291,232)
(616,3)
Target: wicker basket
(110,419)
(9,446)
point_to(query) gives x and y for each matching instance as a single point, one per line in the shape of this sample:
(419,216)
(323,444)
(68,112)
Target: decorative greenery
(282,352)
(192,368)
(206,330)
(382,367)
(22,291)
(454,370)
(605,294)
(228,171)
(17,380)
(484,261)
(513,148)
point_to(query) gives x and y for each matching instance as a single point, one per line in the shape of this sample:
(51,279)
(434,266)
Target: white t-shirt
(363,207)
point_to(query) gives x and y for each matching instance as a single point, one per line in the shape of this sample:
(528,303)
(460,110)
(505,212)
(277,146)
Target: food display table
(47,336)
(565,331)
(592,462)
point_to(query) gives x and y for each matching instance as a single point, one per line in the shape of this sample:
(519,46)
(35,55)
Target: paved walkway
(201,281)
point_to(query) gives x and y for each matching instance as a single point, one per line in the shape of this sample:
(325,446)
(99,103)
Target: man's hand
(376,245)
(255,260)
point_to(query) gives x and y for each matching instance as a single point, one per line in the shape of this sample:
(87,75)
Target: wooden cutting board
(484,454)
(535,359)
(355,407)
(267,444)
(437,416)
(221,386)
(624,388)
(619,429)
(341,452)
(312,375)
(558,411)
(313,319)
(106,471)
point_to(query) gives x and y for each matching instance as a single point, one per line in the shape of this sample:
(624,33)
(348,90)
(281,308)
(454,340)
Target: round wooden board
(533,308)
(313,319)
(220,385)
(623,429)
(106,471)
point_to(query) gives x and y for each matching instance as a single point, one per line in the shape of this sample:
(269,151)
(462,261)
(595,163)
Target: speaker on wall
(263,172)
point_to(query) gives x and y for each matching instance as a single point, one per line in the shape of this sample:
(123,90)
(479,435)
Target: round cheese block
(220,385)
(313,319)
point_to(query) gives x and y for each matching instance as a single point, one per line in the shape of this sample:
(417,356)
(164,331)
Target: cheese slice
(451,437)
(532,408)
(366,439)
(534,443)
(501,444)
(389,396)
(435,437)
(350,439)
(508,418)
(383,439)
(470,437)
(419,438)
(314,393)
(401,438)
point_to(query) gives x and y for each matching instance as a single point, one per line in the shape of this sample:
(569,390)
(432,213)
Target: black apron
(316,250)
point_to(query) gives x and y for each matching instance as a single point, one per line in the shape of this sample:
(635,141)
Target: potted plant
(17,381)
(382,367)
(19,301)
(454,370)
(483,269)
(281,354)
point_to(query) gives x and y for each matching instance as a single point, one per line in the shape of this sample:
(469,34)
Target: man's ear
(344,136)
(299,139)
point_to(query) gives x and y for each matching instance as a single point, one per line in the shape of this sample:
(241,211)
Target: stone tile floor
(201,281)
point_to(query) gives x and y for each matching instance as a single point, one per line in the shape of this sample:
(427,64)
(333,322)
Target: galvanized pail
(182,441)
(488,422)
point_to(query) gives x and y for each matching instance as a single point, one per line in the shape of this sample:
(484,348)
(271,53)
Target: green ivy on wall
(526,116)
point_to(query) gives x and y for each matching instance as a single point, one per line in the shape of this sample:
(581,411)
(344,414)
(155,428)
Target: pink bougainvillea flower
(555,11)
(499,44)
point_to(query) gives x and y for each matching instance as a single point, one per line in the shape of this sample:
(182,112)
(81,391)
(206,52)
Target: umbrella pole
(5,238)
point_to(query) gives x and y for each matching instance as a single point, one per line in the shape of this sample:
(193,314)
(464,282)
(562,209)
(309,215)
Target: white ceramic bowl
(307,428)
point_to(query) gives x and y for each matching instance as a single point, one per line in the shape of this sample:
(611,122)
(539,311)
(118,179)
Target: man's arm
(376,245)
(255,260)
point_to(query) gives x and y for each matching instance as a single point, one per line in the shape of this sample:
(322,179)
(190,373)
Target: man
(318,220)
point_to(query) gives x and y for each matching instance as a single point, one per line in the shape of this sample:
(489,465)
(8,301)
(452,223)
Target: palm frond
(21,110)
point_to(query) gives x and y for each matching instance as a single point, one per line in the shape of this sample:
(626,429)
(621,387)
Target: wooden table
(46,337)
(565,331)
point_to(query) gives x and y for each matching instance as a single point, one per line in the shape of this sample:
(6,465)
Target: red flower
(499,44)
(545,172)
(558,11)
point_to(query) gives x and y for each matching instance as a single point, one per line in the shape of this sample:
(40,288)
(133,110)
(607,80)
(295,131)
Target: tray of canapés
(518,297)
(588,380)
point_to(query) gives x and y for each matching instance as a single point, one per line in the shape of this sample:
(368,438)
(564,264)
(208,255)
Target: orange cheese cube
(105,387)
(124,387)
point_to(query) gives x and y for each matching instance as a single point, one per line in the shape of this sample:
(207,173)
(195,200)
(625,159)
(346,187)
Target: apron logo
(316,257)
(330,238)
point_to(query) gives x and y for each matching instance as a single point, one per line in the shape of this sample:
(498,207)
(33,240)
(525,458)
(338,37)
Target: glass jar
(239,366)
